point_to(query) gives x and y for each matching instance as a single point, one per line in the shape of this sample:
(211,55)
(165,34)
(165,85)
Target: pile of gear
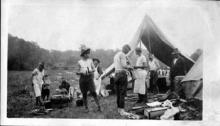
(167,107)
(61,98)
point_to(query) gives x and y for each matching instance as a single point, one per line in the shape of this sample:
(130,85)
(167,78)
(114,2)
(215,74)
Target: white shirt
(141,60)
(160,72)
(38,76)
(86,65)
(153,64)
(120,61)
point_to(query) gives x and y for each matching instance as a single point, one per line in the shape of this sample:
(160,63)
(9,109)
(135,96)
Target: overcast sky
(64,25)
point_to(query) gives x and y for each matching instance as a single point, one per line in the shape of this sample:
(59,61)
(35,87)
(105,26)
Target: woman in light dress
(98,72)
(37,82)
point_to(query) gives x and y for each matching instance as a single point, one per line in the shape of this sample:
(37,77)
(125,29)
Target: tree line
(25,55)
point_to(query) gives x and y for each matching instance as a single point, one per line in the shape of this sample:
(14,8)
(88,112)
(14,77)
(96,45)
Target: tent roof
(196,72)
(154,40)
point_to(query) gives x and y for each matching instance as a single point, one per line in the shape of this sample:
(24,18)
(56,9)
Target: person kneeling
(64,86)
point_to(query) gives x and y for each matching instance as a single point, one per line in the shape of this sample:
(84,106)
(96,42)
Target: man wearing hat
(121,82)
(86,71)
(37,79)
(177,68)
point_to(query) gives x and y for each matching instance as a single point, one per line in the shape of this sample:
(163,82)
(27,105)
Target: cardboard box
(151,113)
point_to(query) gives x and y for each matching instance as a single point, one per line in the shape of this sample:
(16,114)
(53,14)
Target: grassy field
(21,98)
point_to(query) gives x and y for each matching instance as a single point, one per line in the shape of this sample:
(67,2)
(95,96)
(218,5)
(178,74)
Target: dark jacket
(178,69)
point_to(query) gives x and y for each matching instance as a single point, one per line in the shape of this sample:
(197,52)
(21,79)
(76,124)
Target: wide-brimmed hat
(175,51)
(127,46)
(41,64)
(138,49)
(84,50)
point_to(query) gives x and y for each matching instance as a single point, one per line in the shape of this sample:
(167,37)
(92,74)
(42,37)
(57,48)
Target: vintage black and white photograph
(102,59)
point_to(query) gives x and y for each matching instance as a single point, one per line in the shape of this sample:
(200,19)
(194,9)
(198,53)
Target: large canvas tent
(155,42)
(193,81)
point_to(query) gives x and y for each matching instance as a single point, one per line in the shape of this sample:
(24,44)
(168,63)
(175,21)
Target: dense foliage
(25,55)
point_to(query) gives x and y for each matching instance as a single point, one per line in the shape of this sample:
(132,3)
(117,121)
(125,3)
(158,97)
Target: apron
(97,81)
(141,75)
(139,86)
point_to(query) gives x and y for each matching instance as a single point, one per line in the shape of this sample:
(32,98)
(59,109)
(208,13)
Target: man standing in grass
(121,82)
(86,72)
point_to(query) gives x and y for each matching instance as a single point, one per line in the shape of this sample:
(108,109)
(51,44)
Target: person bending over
(121,82)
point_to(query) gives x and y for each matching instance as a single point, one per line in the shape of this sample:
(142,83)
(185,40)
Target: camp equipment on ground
(133,116)
(79,102)
(170,113)
(60,99)
(139,107)
(61,91)
(40,111)
(152,113)
(62,95)
(154,104)
(47,104)
(167,103)
(131,97)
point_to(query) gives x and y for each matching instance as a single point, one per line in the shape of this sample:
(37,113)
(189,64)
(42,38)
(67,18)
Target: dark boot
(145,98)
(85,102)
(36,104)
(140,98)
(99,109)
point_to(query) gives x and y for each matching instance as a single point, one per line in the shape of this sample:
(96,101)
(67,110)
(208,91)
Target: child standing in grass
(45,88)
(86,72)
